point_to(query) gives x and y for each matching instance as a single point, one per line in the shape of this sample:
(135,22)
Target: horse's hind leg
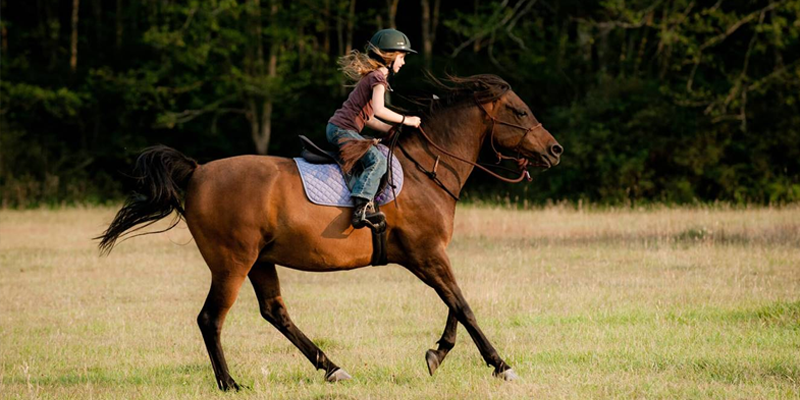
(224,289)
(434,358)
(268,290)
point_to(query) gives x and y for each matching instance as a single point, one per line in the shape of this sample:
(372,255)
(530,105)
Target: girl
(385,56)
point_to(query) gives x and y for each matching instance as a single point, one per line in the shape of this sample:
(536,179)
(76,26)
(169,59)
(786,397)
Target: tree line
(654,101)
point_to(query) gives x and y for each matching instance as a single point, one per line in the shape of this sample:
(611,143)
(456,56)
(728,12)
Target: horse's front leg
(434,358)
(435,271)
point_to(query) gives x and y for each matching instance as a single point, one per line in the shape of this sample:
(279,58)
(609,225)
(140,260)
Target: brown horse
(249,213)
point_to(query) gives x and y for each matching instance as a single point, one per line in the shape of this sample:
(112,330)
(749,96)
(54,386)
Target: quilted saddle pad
(324,183)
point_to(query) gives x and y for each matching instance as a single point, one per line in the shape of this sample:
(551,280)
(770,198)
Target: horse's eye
(521,113)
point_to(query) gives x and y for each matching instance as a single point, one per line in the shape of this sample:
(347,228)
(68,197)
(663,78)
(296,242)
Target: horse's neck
(458,131)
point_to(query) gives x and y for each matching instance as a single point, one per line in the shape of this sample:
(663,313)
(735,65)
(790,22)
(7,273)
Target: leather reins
(522,163)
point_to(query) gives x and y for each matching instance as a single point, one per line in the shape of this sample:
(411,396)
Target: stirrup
(369,217)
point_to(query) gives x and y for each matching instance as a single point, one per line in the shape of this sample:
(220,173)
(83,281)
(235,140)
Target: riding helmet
(391,40)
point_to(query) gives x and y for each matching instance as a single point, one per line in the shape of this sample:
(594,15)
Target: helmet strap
(391,75)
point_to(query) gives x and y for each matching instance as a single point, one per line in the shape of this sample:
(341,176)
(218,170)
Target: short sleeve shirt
(357,109)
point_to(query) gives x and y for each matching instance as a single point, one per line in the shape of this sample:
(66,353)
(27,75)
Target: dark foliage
(673,101)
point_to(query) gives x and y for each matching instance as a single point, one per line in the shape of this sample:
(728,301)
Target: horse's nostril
(556,150)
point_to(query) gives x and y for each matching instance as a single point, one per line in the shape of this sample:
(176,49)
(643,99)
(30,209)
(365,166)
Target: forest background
(671,101)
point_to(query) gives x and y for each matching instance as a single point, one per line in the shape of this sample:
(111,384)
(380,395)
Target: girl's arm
(374,123)
(386,114)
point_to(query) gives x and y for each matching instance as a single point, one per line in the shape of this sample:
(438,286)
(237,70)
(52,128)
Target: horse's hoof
(338,375)
(232,385)
(507,375)
(432,360)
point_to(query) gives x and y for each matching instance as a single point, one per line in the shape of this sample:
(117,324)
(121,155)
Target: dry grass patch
(664,303)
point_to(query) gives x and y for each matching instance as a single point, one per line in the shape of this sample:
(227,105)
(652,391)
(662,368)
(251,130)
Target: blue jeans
(364,183)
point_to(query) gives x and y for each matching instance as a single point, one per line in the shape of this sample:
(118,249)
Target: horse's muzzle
(553,156)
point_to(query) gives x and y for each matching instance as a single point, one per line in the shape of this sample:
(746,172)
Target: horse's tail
(161,174)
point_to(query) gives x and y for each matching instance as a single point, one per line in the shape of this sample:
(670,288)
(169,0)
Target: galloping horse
(249,213)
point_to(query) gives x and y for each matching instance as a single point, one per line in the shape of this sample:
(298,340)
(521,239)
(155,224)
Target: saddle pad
(324,183)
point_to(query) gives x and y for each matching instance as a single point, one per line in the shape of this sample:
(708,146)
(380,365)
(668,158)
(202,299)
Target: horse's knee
(207,322)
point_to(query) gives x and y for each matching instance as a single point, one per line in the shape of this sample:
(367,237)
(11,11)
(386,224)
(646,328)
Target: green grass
(661,303)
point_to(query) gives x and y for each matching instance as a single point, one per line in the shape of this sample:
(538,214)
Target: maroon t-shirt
(357,109)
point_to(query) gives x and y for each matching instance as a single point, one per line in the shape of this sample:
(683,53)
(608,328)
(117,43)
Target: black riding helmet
(391,40)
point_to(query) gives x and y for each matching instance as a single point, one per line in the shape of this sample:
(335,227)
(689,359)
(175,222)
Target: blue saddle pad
(324,183)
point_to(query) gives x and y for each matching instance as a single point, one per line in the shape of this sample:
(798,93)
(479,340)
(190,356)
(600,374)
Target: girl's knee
(375,156)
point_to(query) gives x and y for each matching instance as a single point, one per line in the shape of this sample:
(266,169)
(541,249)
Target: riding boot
(365,214)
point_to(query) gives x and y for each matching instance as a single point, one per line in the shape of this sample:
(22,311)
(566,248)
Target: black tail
(161,174)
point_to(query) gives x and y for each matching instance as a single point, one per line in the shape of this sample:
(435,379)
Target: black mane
(454,91)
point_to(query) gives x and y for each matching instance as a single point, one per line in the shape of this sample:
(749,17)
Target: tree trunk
(339,33)
(327,27)
(427,47)
(118,30)
(435,23)
(351,19)
(97,10)
(602,51)
(429,25)
(301,46)
(351,13)
(4,31)
(261,128)
(391,6)
(73,58)
(258,37)
(476,45)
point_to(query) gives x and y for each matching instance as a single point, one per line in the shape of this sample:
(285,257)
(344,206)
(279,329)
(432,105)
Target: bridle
(522,163)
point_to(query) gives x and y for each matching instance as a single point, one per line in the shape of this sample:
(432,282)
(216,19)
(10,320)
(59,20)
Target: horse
(248,214)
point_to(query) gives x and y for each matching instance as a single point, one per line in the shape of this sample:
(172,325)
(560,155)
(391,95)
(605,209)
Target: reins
(522,163)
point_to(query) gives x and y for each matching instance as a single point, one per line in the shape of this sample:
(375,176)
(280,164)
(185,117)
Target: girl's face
(399,61)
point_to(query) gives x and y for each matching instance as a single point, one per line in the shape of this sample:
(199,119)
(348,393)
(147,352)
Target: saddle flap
(314,154)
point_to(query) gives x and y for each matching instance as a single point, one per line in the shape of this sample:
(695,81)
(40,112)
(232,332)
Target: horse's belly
(318,239)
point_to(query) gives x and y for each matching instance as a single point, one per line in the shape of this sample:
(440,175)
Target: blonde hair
(357,64)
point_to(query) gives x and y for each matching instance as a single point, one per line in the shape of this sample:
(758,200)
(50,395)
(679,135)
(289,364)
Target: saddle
(315,154)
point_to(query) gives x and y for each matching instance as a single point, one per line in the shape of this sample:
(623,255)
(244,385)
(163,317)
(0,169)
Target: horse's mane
(454,91)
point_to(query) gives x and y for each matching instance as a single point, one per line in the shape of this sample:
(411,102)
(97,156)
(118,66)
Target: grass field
(665,303)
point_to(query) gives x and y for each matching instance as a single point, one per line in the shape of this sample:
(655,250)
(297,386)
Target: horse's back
(256,206)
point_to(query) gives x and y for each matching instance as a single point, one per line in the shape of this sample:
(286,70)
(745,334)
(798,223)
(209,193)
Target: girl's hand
(412,121)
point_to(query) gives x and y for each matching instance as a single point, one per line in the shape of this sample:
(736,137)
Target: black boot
(364,214)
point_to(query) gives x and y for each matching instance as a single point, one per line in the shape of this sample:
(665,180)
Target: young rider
(385,56)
